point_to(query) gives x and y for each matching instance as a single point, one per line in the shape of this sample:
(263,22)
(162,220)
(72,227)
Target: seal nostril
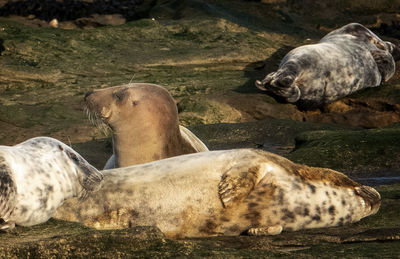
(87,94)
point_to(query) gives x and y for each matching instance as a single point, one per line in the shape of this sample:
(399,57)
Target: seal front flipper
(385,63)
(265,231)
(6,226)
(236,184)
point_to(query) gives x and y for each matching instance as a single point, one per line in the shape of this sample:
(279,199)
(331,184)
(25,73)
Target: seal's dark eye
(73,157)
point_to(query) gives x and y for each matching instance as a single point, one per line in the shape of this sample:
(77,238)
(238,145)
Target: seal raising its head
(36,177)
(144,122)
(223,193)
(344,61)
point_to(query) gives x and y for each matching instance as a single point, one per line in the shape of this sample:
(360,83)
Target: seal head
(144,121)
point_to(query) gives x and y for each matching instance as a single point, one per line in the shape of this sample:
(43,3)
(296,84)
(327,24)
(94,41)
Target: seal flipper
(236,185)
(265,231)
(385,63)
(6,226)
(8,193)
(267,80)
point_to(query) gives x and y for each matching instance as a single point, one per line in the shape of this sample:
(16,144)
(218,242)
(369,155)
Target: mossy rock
(368,151)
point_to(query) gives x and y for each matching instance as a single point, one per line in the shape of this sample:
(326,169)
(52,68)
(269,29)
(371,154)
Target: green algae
(374,150)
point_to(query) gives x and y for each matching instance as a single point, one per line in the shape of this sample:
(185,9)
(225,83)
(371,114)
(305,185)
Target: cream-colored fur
(223,192)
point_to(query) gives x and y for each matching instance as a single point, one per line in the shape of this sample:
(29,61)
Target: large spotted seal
(144,121)
(344,61)
(36,177)
(223,193)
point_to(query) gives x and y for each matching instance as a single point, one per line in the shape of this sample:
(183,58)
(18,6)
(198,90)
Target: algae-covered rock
(372,152)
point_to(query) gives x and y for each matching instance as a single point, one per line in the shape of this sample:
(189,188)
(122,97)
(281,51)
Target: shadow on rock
(96,152)
(259,69)
(2,49)
(74,9)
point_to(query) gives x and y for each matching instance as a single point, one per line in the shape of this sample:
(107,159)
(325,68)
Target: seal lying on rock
(223,193)
(36,177)
(144,121)
(344,61)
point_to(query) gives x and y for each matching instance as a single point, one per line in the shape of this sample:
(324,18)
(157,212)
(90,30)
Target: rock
(54,23)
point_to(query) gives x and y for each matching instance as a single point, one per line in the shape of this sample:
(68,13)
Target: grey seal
(346,60)
(223,193)
(144,121)
(36,176)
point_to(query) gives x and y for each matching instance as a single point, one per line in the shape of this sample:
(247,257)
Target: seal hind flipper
(264,231)
(8,191)
(385,62)
(236,185)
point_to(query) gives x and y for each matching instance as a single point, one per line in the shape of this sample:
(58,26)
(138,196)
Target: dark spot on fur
(318,209)
(316,218)
(209,227)
(341,221)
(134,213)
(224,219)
(334,193)
(288,215)
(254,217)
(306,212)
(331,210)
(23,209)
(312,187)
(343,202)
(280,196)
(234,228)
(43,202)
(296,186)
(261,192)
(327,194)
(252,204)
(60,147)
(49,188)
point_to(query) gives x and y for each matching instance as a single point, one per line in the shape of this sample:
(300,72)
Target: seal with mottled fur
(344,61)
(36,176)
(144,122)
(223,193)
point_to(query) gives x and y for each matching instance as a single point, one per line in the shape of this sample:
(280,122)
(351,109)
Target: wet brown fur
(144,121)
